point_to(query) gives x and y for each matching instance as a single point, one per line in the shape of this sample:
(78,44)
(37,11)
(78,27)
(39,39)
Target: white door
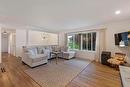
(4,43)
(12,44)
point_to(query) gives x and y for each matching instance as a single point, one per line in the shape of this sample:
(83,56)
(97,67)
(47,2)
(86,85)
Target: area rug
(57,75)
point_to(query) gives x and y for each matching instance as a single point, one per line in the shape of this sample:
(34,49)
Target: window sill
(81,50)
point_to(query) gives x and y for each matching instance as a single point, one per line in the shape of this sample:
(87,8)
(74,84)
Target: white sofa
(33,56)
(66,54)
(37,55)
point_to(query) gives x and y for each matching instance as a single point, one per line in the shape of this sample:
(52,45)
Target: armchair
(66,53)
(117,60)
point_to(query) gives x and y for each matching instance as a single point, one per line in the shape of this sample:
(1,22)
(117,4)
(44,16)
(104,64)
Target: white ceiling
(62,15)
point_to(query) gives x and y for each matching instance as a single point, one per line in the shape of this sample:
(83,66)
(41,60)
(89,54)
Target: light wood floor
(94,75)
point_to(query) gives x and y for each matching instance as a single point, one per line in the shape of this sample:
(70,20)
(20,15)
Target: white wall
(91,55)
(21,40)
(53,39)
(35,38)
(113,28)
(12,44)
(62,39)
(109,42)
(4,42)
(0,46)
(31,37)
(117,27)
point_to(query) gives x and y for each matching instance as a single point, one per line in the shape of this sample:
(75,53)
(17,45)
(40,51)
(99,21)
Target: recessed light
(117,12)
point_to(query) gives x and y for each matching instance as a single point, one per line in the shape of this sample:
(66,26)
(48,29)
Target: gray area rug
(57,75)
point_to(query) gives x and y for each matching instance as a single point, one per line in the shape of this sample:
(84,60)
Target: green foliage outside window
(87,42)
(73,45)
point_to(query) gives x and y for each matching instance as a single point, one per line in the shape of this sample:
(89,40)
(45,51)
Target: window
(74,41)
(89,41)
(77,43)
(70,42)
(94,40)
(82,41)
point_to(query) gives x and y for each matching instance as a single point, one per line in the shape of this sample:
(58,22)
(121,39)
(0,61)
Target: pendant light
(4,32)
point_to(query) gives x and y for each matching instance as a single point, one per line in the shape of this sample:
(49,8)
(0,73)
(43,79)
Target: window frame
(81,41)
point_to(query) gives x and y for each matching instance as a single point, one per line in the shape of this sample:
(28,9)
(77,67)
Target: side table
(56,54)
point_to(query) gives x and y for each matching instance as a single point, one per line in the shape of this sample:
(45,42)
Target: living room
(63,43)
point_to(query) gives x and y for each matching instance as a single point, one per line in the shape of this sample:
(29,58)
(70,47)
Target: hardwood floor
(97,75)
(14,75)
(94,75)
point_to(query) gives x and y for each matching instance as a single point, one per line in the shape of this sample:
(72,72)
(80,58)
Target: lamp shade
(4,32)
(128,34)
(122,43)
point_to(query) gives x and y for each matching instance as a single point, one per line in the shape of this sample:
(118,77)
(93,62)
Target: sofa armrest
(38,56)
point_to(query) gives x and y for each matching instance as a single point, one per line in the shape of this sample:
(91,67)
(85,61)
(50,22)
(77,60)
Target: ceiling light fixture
(44,35)
(117,12)
(4,32)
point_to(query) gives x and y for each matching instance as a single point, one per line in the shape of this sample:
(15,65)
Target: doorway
(8,40)
(4,41)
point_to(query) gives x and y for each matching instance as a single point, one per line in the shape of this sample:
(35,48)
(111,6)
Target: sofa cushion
(38,56)
(119,57)
(41,50)
(114,61)
(33,51)
(49,48)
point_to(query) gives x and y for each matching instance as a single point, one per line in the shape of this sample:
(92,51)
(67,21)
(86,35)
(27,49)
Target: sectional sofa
(37,55)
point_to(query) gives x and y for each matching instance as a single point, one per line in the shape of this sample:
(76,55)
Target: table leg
(56,58)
